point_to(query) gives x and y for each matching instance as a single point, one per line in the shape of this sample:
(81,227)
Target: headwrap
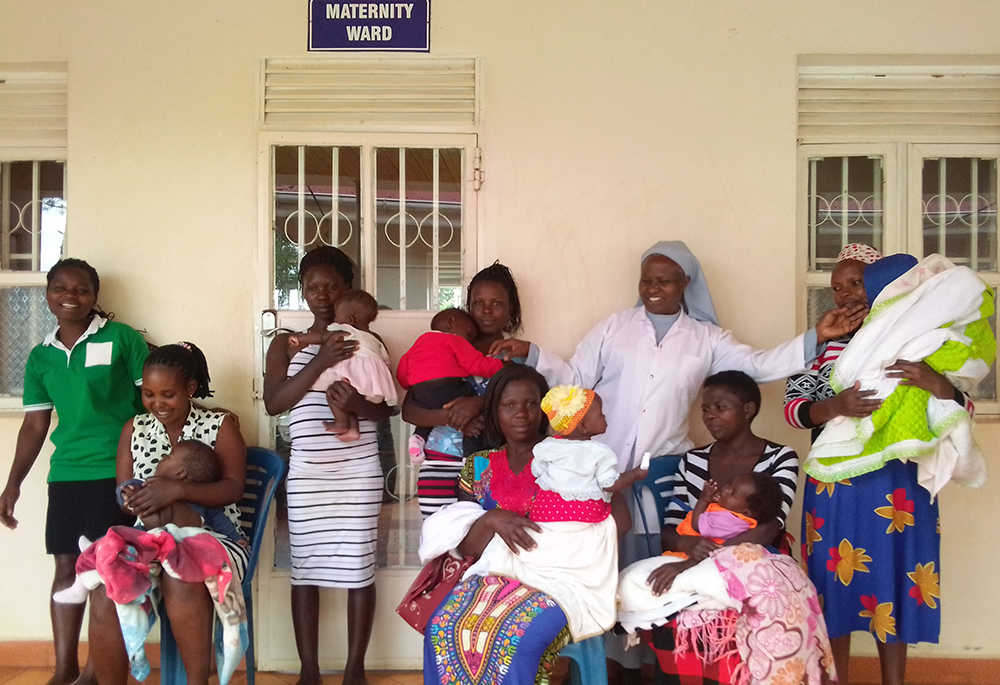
(883,272)
(697,300)
(566,405)
(859,252)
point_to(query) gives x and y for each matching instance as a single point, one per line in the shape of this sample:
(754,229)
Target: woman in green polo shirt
(87,370)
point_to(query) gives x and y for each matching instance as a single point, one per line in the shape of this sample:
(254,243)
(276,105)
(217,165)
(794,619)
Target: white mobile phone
(644,464)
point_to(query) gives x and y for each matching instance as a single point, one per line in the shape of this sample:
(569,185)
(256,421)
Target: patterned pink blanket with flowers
(779,632)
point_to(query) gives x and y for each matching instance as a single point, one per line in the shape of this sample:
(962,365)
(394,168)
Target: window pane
(24,321)
(418,258)
(33,198)
(960,210)
(845,206)
(316,201)
(819,300)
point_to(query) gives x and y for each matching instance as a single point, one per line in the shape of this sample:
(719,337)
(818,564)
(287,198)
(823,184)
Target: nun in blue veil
(648,364)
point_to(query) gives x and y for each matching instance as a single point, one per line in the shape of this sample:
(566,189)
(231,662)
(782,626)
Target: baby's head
(190,460)
(756,495)
(574,412)
(356,308)
(457,321)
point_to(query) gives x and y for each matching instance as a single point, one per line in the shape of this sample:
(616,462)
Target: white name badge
(98,354)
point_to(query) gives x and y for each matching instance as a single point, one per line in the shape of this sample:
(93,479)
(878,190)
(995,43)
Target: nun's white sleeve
(587,365)
(761,365)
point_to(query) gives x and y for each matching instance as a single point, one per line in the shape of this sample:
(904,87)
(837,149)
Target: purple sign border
(323,32)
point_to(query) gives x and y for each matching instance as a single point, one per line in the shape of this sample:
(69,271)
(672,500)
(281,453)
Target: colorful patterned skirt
(493,630)
(872,548)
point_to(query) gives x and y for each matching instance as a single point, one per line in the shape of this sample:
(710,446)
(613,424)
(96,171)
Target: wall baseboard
(864,669)
(39,654)
(931,671)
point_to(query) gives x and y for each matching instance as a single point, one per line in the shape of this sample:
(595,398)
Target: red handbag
(430,587)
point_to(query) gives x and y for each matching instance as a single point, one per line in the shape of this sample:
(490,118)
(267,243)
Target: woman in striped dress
(334,488)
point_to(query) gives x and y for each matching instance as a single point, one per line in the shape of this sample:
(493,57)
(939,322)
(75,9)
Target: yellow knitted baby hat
(566,405)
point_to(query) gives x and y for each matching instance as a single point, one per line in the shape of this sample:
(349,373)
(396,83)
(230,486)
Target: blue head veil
(697,300)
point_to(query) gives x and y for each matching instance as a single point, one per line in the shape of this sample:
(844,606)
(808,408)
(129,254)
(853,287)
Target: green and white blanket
(936,312)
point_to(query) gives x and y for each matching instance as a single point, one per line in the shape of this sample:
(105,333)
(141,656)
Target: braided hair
(331,257)
(188,359)
(91,272)
(501,275)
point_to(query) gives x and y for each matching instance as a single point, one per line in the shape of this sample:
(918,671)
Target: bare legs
(360,617)
(190,610)
(892,659)
(107,648)
(191,613)
(305,620)
(891,656)
(67,619)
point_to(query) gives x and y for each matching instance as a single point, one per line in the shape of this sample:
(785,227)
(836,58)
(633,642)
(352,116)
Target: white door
(355,192)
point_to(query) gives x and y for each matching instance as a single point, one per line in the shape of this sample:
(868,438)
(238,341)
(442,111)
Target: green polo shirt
(94,390)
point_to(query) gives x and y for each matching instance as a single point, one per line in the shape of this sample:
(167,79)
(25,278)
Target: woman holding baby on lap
(731,499)
(171,377)
(504,513)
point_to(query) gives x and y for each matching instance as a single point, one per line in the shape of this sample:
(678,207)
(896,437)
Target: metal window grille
(845,206)
(415,225)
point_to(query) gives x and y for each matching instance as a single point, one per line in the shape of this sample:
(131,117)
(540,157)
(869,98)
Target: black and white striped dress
(778,461)
(334,495)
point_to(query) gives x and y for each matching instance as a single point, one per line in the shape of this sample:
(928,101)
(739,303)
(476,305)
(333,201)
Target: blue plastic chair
(264,470)
(588,664)
(660,468)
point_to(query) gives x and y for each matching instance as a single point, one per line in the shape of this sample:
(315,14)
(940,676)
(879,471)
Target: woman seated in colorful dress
(528,628)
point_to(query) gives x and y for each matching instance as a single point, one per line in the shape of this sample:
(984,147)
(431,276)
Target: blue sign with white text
(349,26)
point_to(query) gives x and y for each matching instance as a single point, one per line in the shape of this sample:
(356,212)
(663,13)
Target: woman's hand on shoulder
(513,529)
(509,348)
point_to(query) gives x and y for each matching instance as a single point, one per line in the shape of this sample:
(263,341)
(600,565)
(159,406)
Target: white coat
(648,388)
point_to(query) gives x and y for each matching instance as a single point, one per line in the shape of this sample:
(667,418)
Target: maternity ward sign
(360,26)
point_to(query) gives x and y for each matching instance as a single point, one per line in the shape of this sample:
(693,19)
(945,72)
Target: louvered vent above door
(335,92)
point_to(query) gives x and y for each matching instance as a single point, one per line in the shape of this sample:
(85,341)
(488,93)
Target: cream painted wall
(606,126)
